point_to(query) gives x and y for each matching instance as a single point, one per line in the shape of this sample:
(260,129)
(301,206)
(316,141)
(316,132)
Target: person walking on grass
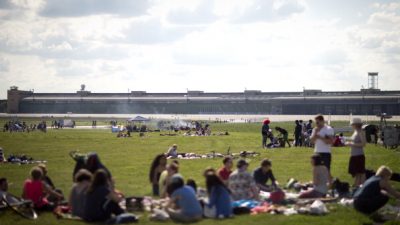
(357,159)
(322,137)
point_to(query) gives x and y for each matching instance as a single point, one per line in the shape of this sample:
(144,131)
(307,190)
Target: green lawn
(129,160)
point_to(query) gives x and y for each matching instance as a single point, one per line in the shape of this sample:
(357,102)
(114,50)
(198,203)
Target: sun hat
(355,121)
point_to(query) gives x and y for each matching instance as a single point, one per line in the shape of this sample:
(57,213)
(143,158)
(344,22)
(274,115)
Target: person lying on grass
(36,190)
(321,179)
(264,173)
(183,205)
(375,192)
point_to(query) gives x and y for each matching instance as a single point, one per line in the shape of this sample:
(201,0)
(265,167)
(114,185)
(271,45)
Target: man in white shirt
(323,137)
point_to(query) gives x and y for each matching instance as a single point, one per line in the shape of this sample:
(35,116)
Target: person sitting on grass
(93,164)
(241,183)
(183,205)
(374,193)
(165,178)
(101,202)
(77,196)
(321,178)
(172,151)
(35,190)
(264,173)
(46,179)
(158,165)
(226,170)
(219,196)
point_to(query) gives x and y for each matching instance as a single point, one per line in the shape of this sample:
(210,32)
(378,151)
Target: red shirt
(223,173)
(33,190)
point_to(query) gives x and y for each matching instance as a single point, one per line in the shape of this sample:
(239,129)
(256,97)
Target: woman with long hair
(219,195)
(101,201)
(158,165)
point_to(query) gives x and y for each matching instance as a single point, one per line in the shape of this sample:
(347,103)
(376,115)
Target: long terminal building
(364,102)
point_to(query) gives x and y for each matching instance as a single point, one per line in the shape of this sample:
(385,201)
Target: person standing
(265,132)
(322,137)
(297,133)
(357,159)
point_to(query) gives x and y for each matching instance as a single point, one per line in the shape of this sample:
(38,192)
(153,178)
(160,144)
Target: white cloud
(268,11)
(79,8)
(153,31)
(212,45)
(202,13)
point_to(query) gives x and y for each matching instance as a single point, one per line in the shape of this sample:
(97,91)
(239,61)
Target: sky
(207,45)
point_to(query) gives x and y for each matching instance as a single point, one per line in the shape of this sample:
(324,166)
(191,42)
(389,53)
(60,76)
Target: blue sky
(209,45)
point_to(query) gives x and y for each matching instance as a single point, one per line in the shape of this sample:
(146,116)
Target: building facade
(363,102)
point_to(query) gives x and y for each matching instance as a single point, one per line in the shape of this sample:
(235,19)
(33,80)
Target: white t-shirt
(321,146)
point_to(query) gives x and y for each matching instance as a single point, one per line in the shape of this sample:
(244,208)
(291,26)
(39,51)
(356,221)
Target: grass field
(129,159)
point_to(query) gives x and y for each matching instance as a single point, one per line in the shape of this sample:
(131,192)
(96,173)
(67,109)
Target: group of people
(275,141)
(93,196)
(18,126)
(302,132)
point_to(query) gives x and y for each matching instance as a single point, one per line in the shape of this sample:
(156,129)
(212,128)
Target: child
(321,178)
(35,190)
(157,167)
